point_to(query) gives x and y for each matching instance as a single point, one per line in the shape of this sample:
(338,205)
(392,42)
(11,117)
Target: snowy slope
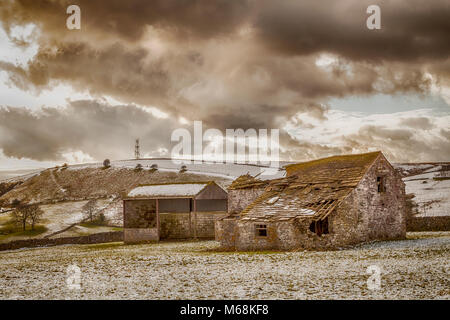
(431,195)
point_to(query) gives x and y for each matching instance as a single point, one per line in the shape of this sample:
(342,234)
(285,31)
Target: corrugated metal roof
(167,190)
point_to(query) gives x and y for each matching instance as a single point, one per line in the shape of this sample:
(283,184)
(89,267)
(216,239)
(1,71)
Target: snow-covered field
(60,216)
(416,268)
(432,196)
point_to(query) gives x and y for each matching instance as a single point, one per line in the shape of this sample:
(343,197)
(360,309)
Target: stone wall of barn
(175,225)
(281,235)
(226,233)
(139,214)
(239,199)
(205,223)
(380,215)
(139,235)
(179,226)
(140,224)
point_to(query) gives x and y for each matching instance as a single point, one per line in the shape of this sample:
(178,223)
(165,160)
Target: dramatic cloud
(96,129)
(232,64)
(410,30)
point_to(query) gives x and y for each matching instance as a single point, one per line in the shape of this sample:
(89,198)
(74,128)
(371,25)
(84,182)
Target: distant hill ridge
(53,185)
(92,180)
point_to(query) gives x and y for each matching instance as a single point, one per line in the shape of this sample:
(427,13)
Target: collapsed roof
(247,181)
(311,189)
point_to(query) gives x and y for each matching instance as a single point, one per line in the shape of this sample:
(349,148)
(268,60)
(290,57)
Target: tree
(106,163)
(30,213)
(89,209)
(20,215)
(15,203)
(34,214)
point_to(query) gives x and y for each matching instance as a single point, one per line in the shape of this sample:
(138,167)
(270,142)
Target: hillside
(430,185)
(53,185)
(86,181)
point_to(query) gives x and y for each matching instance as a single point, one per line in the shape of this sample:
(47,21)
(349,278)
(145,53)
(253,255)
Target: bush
(101,218)
(15,203)
(106,163)
(138,167)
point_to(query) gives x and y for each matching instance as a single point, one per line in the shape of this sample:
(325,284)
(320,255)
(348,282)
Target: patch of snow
(176,190)
(307,211)
(272,200)
(431,196)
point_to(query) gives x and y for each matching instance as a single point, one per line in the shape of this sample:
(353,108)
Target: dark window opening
(261,230)
(174,205)
(381,184)
(319,227)
(211,205)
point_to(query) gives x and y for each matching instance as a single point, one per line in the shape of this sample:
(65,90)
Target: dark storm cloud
(113,70)
(409,29)
(95,128)
(129,19)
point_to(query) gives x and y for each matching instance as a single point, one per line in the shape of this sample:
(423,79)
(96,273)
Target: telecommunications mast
(137,153)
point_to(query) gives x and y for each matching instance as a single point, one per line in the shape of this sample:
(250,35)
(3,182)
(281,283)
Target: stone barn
(321,204)
(243,191)
(173,211)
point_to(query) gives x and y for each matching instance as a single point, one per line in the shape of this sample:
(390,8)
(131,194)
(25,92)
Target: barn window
(381,184)
(261,230)
(319,227)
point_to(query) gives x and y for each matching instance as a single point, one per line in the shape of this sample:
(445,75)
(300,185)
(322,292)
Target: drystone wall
(102,237)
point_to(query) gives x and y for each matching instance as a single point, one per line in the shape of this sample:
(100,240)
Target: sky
(139,69)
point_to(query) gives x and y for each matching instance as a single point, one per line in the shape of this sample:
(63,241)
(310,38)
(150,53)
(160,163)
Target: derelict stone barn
(173,211)
(322,204)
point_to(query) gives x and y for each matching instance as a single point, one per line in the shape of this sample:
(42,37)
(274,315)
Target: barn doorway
(319,227)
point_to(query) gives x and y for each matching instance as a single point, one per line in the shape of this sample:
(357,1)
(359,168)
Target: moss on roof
(247,181)
(334,162)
